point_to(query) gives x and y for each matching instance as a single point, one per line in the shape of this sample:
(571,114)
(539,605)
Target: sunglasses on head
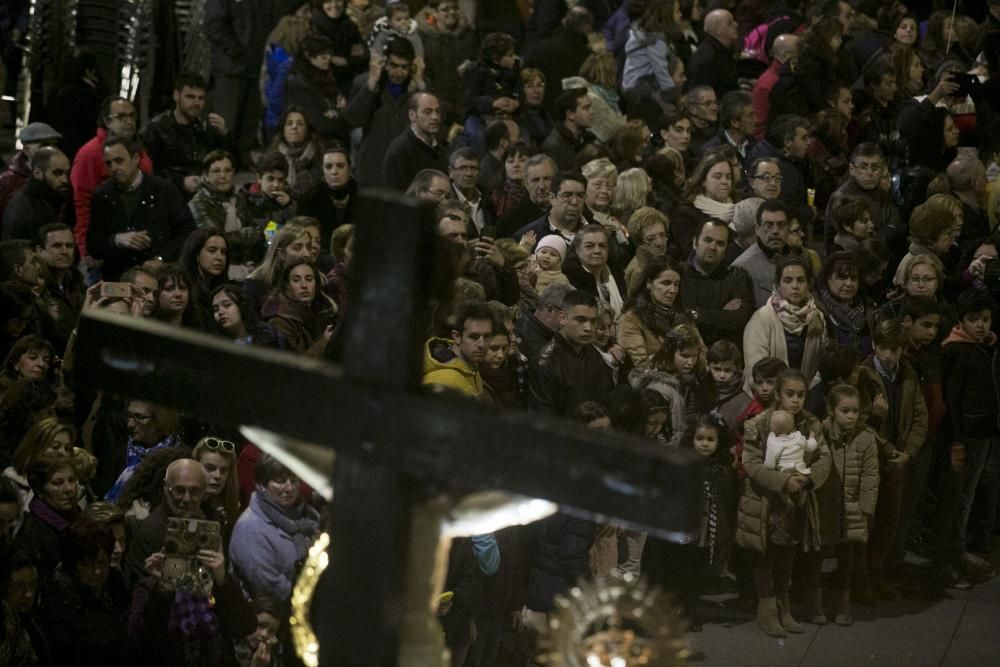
(215,444)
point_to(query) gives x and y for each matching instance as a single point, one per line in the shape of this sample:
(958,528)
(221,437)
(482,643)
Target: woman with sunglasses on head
(218,458)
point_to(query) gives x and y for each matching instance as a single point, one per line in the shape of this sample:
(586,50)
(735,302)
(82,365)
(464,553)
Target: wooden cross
(391,436)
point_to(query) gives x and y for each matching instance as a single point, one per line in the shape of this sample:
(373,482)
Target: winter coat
(455,374)
(814,76)
(301,324)
(348,42)
(407,156)
(562,556)
(13,178)
(263,209)
(35,206)
(315,93)
(161,212)
(238,30)
(533,335)
(277,66)
(971,385)
(713,64)
(40,533)
(332,208)
(177,150)
(444,53)
(762,487)
(87,173)
(382,118)
(641,343)
(764,336)
(559,57)
(561,378)
(794,176)
(760,267)
(708,293)
(208,208)
(565,148)
(911,428)
(607,116)
(263,554)
(486,82)
(855,466)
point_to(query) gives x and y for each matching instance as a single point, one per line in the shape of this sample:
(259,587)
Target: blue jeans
(958,497)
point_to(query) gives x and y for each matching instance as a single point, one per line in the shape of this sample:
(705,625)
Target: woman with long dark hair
(205,258)
(235,319)
(300,311)
(295,141)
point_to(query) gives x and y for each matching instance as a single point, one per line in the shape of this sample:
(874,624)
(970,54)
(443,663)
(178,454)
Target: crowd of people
(762,231)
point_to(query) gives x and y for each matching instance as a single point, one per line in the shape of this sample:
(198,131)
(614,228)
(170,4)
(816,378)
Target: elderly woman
(215,204)
(48,437)
(533,116)
(602,181)
(934,228)
(850,321)
(744,226)
(30,359)
(631,193)
(56,487)
(652,310)
(789,326)
(150,427)
(648,228)
(708,195)
(923,275)
(599,75)
(588,268)
(274,534)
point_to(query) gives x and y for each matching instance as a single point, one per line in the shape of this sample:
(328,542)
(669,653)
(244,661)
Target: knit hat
(555,242)
(35,133)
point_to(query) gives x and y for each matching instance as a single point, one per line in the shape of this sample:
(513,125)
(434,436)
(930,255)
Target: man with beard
(135,216)
(45,199)
(720,297)
(118,118)
(759,260)
(179,138)
(418,147)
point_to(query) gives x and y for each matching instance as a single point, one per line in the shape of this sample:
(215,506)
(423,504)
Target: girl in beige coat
(764,524)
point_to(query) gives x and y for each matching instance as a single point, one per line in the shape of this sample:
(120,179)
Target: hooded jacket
(454,373)
(971,385)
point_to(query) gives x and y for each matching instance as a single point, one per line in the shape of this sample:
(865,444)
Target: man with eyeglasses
(721,297)
(760,260)
(865,173)
(118,118)
(417,147)
(786,144)
(535,329)
(463,170)
(150,427)
(565,213)
(703,109)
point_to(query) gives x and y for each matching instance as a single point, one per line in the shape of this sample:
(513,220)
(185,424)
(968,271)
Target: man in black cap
(33,136)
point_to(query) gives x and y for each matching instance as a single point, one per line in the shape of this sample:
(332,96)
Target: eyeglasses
(923,280)
(867,168)
(179,492)
(767,178)
(215,444)
(137,418)
(568,196)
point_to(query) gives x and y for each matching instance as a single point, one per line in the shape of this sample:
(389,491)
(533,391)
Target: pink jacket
(87,173)
(761,95)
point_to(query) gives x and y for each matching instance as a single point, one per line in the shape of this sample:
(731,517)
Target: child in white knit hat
(549,255)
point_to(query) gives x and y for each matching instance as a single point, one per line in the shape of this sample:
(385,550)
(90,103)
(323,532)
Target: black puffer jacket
(561,378)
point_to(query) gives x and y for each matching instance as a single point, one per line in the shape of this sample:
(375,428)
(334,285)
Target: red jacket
(761,95)
(13,178)
(87,173)
(755,408)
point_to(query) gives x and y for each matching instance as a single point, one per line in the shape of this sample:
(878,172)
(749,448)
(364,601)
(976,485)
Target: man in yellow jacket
(455,363)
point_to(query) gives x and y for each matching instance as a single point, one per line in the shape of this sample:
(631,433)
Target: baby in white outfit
(787,447)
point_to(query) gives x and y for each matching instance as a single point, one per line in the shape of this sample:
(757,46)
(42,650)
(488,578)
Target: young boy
(267,198)
(971,385)
(725,362)
(852,217)
(549,255)
(899,416)
(765,372)
(395,23)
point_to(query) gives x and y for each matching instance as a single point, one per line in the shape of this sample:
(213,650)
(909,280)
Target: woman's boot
(843,610)
(816,614)
(767,617)
(785,616)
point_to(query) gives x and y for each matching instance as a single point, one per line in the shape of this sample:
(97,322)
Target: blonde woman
(293,244)
(631,193)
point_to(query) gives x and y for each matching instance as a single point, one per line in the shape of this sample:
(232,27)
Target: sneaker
(949,577)
(976,568)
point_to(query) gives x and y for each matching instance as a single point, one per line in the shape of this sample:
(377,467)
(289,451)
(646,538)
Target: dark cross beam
(389,434)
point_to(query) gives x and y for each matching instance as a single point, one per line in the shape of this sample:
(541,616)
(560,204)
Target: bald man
(714,62)
(784,49)
(184,485)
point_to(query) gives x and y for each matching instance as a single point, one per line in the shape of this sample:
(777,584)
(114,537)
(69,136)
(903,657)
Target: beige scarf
(715,209)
